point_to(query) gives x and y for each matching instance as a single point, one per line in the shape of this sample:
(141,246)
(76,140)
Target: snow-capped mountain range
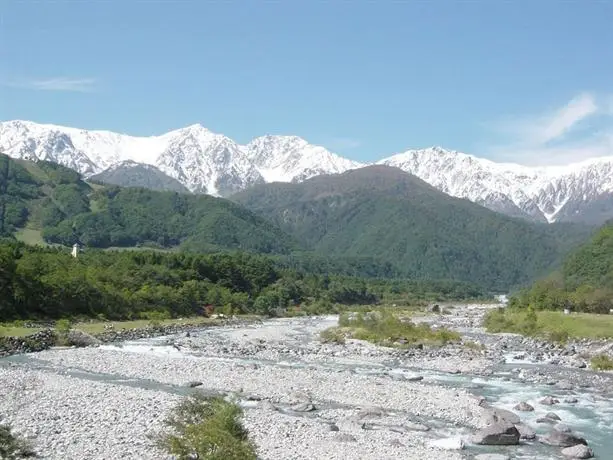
(207,162)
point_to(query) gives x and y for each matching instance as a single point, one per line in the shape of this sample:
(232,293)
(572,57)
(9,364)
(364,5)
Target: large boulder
(525,432)
(494,415)
(563,439)
(578,451)
(77,338)
(502,433)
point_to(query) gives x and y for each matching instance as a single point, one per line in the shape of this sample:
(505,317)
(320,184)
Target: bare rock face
(502,433)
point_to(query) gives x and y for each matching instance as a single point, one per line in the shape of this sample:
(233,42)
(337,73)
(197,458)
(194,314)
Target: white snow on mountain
(207,162)
(292,159)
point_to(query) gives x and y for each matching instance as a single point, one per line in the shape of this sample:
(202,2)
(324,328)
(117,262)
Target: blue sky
(524,81)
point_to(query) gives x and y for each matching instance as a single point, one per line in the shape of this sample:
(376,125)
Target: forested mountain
(54,200)
(131,174)
(382,211)
(584,282)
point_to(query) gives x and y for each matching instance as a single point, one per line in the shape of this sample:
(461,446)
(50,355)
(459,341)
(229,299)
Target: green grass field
(30,236)
(551,324)
(96,327)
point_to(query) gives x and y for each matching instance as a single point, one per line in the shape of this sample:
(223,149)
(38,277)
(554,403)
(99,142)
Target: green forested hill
(383,212)
(47,198)
(584,282)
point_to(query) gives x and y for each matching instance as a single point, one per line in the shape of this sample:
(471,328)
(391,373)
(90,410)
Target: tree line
(38,282)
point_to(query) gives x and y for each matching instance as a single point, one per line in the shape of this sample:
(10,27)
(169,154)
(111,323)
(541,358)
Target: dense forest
(38,282)
(583,283)
(386,213)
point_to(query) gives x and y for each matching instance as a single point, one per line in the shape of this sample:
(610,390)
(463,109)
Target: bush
(602,363)
(62,326)
(385,328)
(12,447)
(208,429)
(332,335)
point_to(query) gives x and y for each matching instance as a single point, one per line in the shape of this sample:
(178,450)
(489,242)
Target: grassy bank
(553,325)
(388,329)
(17,329)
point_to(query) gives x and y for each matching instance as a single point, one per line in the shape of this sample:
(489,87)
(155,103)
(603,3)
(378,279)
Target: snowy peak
(292,159)
(207,162)
(541,194)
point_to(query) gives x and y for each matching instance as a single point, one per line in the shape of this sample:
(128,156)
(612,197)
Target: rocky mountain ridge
(207,162)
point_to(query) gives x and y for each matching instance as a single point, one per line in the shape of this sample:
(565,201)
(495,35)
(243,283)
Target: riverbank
(303,399)
(20,339)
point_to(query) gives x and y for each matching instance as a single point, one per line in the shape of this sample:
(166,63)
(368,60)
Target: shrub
(332,335)
(62,326)
(208,429)
(13,447)
(602,363)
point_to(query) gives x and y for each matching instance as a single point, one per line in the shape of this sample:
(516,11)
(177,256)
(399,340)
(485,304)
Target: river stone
(560,439)
(578,451)
(303,407)
(525,432)
(502,433)
(524,407)
(495,415)
(571,400)
(79,338)
(492,457)
(553,416)
(549,401)
(562,428)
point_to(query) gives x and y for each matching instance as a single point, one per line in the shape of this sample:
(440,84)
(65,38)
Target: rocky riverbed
(308,400)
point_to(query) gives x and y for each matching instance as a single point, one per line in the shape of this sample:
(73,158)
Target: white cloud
(67,84)
(581,129)
(343,143)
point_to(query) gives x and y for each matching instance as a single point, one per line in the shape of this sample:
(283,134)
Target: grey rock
(524,407)
(501,433)
(553,416)
(303,407)
(525,432)
(79,338)
(333,427)
(495,415)
(549,401)
(578,451)
(562,428)
(560,439)
(571,400)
